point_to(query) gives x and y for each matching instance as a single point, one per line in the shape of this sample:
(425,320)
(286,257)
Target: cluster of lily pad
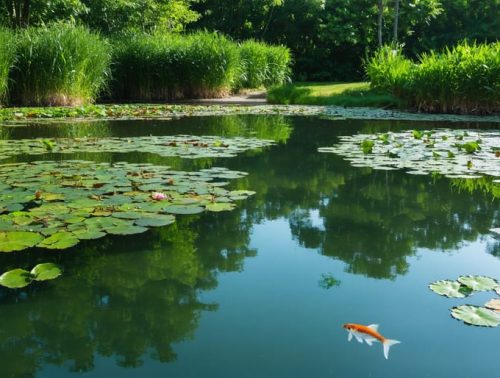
(453,153)
(19,278)
(55,205)
(487,316)
(185,146)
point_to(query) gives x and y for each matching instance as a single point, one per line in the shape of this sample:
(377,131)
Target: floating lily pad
(126,230)
(46,271)
(219,206)
(478,283)
(60,240)
(15,279)
(184,209)
(450,289)
(478,316)
(18,240)
(493,304)
(155,220)
(435,151)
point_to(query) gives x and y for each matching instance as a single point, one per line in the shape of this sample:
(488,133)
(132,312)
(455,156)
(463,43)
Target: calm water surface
(263,291)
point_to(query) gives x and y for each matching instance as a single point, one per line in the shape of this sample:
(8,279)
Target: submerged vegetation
(463,79)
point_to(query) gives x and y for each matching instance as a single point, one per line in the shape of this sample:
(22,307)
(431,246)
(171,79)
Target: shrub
(59,65)
(166,66)
(7,54)
(263,65)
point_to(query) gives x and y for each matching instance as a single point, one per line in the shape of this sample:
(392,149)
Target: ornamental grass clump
(389,70)
(59,65)
(7,55)
(263,65)
(167,66)
(465,79)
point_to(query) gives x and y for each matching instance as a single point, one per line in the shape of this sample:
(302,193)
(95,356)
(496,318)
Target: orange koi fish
(369,334)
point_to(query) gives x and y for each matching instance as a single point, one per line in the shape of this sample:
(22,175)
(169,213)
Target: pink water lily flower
(157,196)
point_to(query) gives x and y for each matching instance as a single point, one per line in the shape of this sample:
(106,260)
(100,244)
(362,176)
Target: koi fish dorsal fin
(374,327)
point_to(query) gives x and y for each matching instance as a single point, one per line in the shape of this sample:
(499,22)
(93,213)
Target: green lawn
(341,94)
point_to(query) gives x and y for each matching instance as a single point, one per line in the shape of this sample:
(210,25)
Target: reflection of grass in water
(483,184)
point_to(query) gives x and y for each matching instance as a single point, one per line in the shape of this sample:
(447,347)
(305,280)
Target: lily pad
(478,316)
(18,240)
(220,206)
(15,279)
(46,271)
(183,209)
(60,240)
(478,283)
(450,289)
(155,220)
(125,230)
(493,304)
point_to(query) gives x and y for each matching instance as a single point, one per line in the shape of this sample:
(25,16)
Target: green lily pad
(155,220)
(184,210)
(219,206)
(450,289)
(88,234)
(125,230)
(46,271)
(15,279)
(478,316)
(18,240)
(59,240)
(478,283)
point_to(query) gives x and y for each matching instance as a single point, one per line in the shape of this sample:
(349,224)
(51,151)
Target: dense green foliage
(169,66)
(7,54)
(263,65)
(464,79)
(59,65)
(328,38)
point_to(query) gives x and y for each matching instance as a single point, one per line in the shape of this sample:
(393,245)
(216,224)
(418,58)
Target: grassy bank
(463,80)
(340,94)
(7,55)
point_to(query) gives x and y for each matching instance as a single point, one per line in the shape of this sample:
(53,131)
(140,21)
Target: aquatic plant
(7,55)
(55,205)
(487,316)
(457,154)
(19,278)
(59,65)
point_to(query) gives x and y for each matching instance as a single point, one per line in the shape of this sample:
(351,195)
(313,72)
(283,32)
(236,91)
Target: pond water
(263,290)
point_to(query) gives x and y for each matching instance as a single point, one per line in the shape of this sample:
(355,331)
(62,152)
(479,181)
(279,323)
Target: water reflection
(132,297)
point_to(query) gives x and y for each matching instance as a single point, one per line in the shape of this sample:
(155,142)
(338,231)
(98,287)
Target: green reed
(59,65)
(262,65)
(7,55)
(170,66)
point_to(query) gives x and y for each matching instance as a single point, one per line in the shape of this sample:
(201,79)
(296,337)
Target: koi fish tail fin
(387,345)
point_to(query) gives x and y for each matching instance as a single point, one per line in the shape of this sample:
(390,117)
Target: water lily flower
(157,196)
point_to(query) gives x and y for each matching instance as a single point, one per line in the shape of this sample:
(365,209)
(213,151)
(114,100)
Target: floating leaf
(478,283)
(185,210)
(450,289)
(18,240)
(125,230)
(493,304)
(46,271)
(478,316)
(220,206)
(155,220)
(59,240)
(15,279)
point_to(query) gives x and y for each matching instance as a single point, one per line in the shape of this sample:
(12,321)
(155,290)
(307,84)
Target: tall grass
(7,55)
(464,79)
(262,65)
(166,66)
(59,65)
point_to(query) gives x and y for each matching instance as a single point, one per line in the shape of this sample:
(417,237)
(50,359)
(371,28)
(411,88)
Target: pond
(264,289)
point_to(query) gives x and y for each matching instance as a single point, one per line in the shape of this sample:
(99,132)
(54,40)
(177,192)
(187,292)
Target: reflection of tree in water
(371,220)
(123,297)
